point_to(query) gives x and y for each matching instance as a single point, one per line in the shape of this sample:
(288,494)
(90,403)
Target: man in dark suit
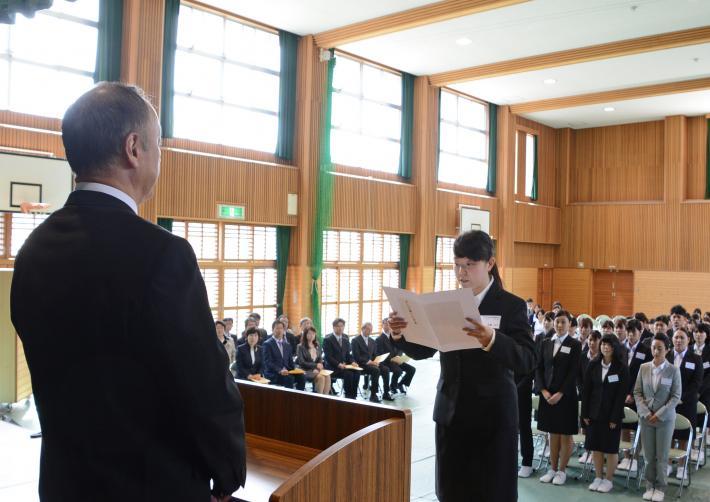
(364,352)
(476,410)
(278,359)
(144,408)
(385,346)
(336,348)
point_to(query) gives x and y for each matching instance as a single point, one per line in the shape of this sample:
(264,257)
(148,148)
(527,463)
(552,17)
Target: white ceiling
(634,110)
(307,17)
(629,71)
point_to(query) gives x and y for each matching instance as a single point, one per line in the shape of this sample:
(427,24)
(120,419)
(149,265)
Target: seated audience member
(291,337)
(691,373)
(701,347)
(384,346)
(262,332)
(250,363)
(309,357)
(336,348)
(228,325)
(605,384)
(364,353)
(646,333)
(278,360)
(249,322)
(586,326)
(226,341)
(303,325)
(538,324)
(556,378)
(638,354)
(657,393)
(607,327)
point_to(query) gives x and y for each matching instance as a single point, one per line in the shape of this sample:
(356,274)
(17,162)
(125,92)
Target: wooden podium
(307,447)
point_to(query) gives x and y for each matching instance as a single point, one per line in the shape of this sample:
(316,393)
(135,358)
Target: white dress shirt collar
(661,367)
(679,354)
(109,190)
(699,349)
(480,296)
(561,339)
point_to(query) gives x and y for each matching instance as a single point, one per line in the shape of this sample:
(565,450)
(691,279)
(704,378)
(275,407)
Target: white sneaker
(605,486)
(548,476)
(595,484)
(658,496)
(525,471)
(669,469)
(624,465)
(648,494)
(546,453)
(560,478)
(634,467)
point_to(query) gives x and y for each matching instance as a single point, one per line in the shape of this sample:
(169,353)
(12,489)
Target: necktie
(281,347)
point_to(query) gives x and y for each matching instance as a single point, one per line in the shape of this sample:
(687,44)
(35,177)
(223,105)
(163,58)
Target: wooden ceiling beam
(408,19)
(598,52)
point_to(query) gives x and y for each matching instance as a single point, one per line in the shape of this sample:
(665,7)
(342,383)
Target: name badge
(666,381)
(613,378)
(706,365)
(492,321)
(640,355)
(564,349)
(690,366)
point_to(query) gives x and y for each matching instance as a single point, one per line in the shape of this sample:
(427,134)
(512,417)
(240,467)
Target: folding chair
(701,453)
(539,436)
(631,447)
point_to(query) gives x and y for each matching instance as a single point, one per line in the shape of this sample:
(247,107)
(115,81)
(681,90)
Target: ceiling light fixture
(609,108)
(464,41)
(549,81)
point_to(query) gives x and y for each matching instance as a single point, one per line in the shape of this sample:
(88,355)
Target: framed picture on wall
(24,192)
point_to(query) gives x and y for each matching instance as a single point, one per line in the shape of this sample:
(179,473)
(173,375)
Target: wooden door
(544,288)
(613,293)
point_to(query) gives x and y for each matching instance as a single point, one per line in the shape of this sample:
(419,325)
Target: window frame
(442,268)
(521,134)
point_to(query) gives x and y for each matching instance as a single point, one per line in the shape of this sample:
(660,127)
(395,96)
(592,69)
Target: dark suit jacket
(604,400)
(244,364)
(304,359)
(132,392)
(468,376)
(273,361)
(636,362)
(691,380)
(705,387)
(384,345)
(559,373)
(336,354)
(363,353)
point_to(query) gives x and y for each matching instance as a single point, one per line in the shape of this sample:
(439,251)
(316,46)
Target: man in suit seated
(364,353)
(384,346)
(336,348)
(250,363)
(262,332)
(278,359)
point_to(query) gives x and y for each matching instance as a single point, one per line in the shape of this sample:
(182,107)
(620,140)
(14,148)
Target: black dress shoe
(403,389)
(375,399)
(387,397)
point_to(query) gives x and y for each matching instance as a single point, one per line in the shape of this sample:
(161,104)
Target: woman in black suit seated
(604,391)
(309,357)
(249,362)
(556,380)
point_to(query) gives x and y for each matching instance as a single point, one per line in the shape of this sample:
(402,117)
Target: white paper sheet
(436,319)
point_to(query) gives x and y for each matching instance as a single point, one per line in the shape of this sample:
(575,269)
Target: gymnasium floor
(20,454)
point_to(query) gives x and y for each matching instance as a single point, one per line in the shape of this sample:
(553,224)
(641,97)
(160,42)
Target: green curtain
(283,246)
(324,198)
(166,223)
(287,95)
(405,145)
(404,240)
(9,8)
(492,147)
(108,48)
(533,191)
(172,12)
(707,164)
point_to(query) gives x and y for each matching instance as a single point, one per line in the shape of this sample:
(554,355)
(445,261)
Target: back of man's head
(95,126)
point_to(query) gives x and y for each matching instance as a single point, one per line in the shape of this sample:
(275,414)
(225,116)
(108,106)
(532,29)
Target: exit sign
(228,212)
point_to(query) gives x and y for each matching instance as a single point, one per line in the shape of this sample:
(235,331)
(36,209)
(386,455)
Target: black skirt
(601,438)
(561,418)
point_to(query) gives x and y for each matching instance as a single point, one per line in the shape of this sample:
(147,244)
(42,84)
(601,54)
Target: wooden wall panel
(617,163)
(534,255)
(538,224)
(548,174)
(191,184)
(522,282)
(697,155)
(573,288)
(693,247)
(447,211)
(656,292)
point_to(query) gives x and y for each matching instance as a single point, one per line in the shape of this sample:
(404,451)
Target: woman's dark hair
(563,313)
(634,324)
(662,337)
(641,317)
(96,125)
(620,322)
(618,354)
(595,335)
(251,331)
(220,322)
(586,321)
(705,328)
(304,338)
(550,316)
(608,324)
(679,310)
(477,245)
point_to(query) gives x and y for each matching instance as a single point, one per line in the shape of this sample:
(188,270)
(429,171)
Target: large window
(357,267)
(240,274)
(444,274)
(463,141)
(226,81)
(15,228)
(48,61)
(367,116)
(524,149)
